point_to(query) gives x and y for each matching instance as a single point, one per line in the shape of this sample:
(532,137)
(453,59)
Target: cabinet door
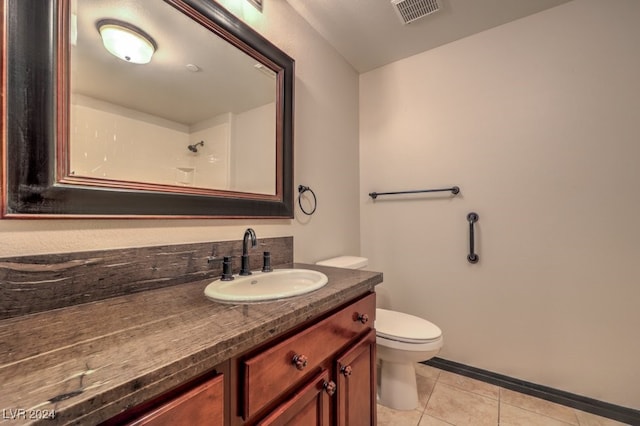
(202,405)
(307,407)
(356,380)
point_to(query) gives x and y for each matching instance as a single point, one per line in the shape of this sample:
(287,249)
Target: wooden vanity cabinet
(344,396)
(323,373)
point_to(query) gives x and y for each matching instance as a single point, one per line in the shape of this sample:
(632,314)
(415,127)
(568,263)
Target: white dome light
(126,42)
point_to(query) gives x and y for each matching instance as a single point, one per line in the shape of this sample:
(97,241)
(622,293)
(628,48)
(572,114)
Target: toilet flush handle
(363,318)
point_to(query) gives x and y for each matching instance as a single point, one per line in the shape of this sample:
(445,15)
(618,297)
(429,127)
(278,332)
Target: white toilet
(402,340)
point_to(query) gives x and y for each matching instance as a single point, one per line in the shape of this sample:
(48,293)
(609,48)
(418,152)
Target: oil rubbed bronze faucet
(244,265)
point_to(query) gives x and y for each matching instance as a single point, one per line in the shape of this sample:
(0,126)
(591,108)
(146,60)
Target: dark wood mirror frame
(35,178)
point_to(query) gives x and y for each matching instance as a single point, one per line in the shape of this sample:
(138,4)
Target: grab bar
(472,257)
(454,190)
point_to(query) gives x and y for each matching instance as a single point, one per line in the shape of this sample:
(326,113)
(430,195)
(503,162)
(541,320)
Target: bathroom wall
(326,159)
(111,142)
(537,121)
(253,150)
(211,165)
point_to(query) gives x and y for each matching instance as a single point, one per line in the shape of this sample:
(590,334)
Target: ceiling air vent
(411,10)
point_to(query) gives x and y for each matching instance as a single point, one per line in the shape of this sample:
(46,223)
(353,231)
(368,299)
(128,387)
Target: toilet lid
(404,327)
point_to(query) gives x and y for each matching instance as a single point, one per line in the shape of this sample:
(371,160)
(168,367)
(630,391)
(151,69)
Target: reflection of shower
(194,147)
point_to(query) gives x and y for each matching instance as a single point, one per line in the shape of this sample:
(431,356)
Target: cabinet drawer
(272,372)
(201,405)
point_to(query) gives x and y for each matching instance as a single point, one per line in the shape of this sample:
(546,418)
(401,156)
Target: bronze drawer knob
(363,318)
(300,361)
(346,370)
(329,387)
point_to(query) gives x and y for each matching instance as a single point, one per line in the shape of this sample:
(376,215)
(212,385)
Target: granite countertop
(87,363)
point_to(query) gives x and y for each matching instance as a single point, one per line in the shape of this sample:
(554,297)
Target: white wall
(113,142)
(211,164)
(537,121)
(326,159)
(254,151)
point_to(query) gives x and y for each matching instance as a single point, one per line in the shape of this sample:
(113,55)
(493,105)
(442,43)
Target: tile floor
(450,399)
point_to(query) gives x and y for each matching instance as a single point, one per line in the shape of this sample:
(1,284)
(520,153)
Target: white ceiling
(369,34)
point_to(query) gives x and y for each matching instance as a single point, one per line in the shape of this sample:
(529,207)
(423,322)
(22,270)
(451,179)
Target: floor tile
(588,419)
(427,371)
(514,416)
(461,408)
(540,406)
(427,420)
(469,384)
(389,417)
(454,400)
(425,388)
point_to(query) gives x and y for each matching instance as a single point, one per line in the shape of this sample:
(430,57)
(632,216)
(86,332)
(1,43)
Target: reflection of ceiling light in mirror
(126,41)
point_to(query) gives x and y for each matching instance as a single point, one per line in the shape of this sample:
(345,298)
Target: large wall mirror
(142,108)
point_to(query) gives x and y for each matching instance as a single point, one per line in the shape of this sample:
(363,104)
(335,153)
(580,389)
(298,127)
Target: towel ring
(301,190)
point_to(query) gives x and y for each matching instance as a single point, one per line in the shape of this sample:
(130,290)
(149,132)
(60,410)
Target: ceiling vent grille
(411,10)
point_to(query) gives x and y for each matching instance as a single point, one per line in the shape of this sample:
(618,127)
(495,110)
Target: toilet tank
(349,262)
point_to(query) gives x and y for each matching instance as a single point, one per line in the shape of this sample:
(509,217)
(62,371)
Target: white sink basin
(262,286)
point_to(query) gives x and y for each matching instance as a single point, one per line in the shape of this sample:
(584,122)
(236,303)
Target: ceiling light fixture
(126,41)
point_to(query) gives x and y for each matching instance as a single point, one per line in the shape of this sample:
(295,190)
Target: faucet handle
(227,269)
(266,262)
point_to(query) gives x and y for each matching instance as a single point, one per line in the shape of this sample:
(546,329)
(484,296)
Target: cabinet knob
(346,370)
(300,361)
(363,318)
(329,387)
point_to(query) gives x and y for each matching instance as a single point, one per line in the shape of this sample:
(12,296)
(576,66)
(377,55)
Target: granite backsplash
(30,284)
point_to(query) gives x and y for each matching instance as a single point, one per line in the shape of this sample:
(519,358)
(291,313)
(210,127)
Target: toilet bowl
(401,341)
